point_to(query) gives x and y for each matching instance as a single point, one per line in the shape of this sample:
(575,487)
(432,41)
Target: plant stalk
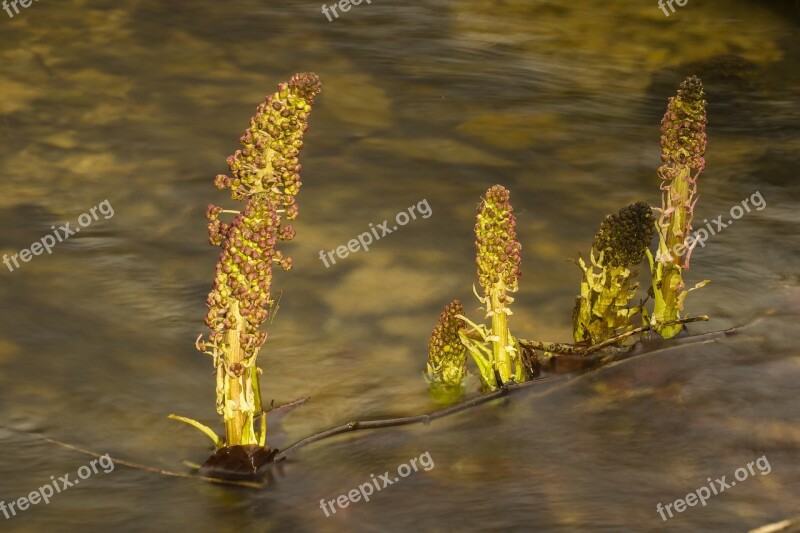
(502,358)
(671,265)
(238,412)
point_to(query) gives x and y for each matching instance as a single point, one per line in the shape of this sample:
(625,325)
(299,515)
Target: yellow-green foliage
(602,308)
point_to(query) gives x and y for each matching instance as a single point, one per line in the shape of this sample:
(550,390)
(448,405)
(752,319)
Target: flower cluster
(498,254)
(624,236)
(268,161)
(602,315)
(602,308)
(244,275)
(683,129)
(447,356)
(683,148)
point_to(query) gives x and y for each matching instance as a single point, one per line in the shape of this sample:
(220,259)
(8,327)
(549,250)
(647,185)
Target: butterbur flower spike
(602,308)
(498,256)
(498,259)
(265,175)
(447,356)
(683,147)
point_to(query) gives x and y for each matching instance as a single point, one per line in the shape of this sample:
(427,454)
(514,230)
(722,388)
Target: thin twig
(642,329)
(288,406)
(574,349)
(139,466)
(390,422)
(417,419)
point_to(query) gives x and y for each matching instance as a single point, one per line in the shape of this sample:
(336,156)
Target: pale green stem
(238,420)
(500,342)
(670,271)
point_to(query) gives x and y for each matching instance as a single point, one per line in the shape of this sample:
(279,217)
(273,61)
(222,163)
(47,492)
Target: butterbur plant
(496,352)
(602,309)
(602,315)
(447,356)
(683,147)
(265,175)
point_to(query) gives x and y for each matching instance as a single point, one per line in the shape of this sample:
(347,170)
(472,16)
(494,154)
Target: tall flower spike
(447,356)
(268,161)
(237,308)
(265,174)
(602,308)
(496,242)
(683,147)
(498,259)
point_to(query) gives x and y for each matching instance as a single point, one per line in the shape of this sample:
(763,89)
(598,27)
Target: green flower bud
(447,356)
(498,252)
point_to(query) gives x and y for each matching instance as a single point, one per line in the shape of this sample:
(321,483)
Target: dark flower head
(624,236)
(683,128)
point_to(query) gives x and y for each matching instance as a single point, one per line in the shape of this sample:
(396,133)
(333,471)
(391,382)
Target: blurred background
(139,102)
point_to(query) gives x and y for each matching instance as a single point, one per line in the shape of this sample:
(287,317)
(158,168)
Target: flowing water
(139,102)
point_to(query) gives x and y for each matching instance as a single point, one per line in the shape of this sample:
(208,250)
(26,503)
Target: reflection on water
(141,101)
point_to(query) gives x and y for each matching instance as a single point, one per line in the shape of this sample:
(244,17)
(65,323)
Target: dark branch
(417,419)
(577,349)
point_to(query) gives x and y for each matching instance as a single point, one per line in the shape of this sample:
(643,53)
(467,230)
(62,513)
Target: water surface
(139,102)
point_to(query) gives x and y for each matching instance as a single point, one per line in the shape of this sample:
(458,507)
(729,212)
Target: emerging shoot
(683,147)
(602,310)
(498,259)
(447,356)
